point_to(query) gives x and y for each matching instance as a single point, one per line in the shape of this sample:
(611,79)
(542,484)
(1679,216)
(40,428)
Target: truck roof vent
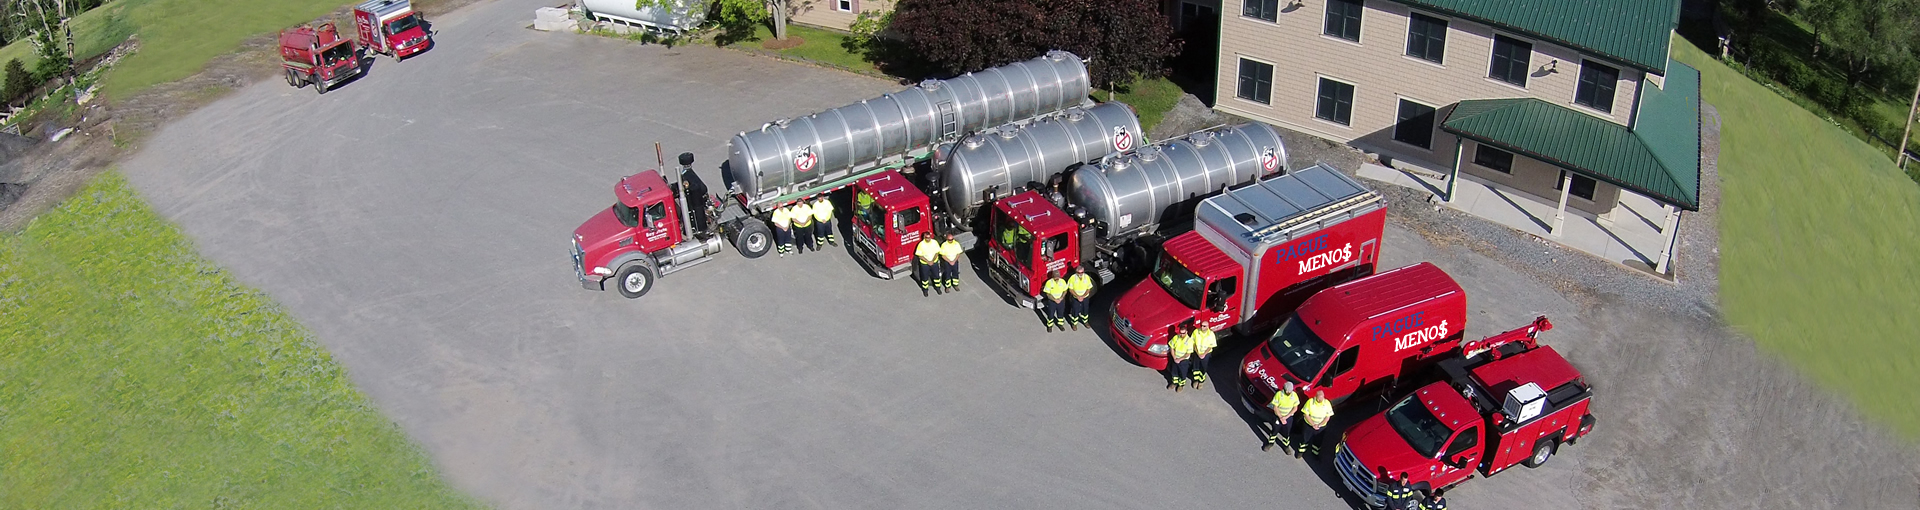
(1008,134)
(974,142)
(1201,139)
(1075,114)
(1245,219)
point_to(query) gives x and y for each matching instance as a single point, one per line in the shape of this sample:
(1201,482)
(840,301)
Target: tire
(635,278)
(754,238)
(292,80)
(1542,451)
(319,85)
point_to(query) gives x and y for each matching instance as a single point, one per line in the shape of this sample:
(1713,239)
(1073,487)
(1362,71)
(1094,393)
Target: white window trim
(1270,80)
(1280,8)
(1443,52)
(1396,120)
(1327,9)
(1494,44)
(1575,101)
(1316,99)
(836,5)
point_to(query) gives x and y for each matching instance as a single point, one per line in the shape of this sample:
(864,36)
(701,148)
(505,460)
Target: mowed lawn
(1819,246)
(135,374)
(177,37)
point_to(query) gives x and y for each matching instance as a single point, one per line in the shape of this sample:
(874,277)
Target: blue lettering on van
(1394,327)
(1301,249)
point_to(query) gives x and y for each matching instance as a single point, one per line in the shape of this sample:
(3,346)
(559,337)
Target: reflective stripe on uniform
(1055,288)
(823,210)
(927,250)
(1204,341)
(1080,284)
(1284,403)
(782,217)
(1180,346)
(1318,411)
(950,250)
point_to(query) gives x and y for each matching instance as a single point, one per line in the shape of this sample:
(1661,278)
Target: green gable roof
(1631,32)
(1659,160)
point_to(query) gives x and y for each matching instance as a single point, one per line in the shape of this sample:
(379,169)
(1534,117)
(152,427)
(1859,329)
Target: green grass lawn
(1819,246)
(825,46)
(1150,98)
(134,374)
(177,37)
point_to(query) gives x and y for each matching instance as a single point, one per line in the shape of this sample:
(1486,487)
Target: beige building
(1570,101)
(834,14)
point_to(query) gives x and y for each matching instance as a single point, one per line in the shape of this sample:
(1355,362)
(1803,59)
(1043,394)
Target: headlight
(1157,349)
(602,271)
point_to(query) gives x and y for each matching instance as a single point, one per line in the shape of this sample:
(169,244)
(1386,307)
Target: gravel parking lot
(416,220)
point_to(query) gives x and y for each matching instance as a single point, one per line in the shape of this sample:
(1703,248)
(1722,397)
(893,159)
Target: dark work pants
(783,237)
(1056,311)
(822,230)
(949,269)
(1079,307)
(804,238)
(1177,369)
(1310,438)
(926,272)
(1282,430)
(1199,369)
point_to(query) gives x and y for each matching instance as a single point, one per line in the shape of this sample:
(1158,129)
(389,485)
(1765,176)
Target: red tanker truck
(317,55)
(1514,402)
(391,28)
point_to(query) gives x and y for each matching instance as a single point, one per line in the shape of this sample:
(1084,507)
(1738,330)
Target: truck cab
(1359,338)
(317,56)
(391,27)
(1255,253)
(644,219)
(1029,239)
(1513,404)
(890,216)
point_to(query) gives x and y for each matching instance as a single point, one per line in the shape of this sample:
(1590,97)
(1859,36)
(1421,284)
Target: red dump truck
(391,28)
(318,56)
(1514,402)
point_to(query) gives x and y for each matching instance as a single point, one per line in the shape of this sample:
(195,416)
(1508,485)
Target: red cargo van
(391,28)
(1360,337)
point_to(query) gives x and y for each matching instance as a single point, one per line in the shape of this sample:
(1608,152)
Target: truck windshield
(1418,426)
(337,53)
(629,216)
(1303,352)
(1179,281)
(403,24)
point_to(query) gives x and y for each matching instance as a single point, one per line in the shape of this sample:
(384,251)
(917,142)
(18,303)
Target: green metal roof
(1630,32)
(1660,158)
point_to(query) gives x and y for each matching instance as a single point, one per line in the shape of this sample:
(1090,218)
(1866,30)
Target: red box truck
(391,28)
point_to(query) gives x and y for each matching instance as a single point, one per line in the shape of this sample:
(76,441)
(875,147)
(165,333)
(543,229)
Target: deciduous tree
(1123,39)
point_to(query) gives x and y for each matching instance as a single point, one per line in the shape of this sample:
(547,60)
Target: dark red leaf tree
(1124,39)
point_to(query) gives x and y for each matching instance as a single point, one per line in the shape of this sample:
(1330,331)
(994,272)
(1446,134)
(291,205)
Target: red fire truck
(1514,402)
(317,55)
(391,28)
(1359,338)
(1254,253)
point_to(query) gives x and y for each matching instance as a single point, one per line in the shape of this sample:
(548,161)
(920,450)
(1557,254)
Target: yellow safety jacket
(950,250)
(927,250)
(782,217)
(802,215)
(1055,289)
(1080,285)
(1284,403)
(1204,341)
(1179,347)
(823,210)
(1318,411)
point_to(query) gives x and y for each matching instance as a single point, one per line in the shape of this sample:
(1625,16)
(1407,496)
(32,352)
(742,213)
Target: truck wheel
(292,80)
(754,238)
(1541,452)
(635,278)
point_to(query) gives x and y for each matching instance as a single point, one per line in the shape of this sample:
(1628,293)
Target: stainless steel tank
(792,155)
(1128,192)
(683,16)
(1001,159)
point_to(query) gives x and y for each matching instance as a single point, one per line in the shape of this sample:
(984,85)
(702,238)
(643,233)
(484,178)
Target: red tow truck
(1253,254)
(317,55)
(1359,338)
(1513,402)
(391,28)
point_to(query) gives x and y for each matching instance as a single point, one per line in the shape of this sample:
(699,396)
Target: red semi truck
(317,55)
(1253,254)
(391,28)
(1359,338)
(1513,403)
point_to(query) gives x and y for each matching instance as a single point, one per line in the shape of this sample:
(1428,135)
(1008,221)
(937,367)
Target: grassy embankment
(135,374)
(1819,246)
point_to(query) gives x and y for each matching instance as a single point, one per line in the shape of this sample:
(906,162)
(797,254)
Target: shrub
(18,81)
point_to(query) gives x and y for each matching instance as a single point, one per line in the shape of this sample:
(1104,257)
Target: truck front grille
(1356,477)
(1126,330)
(579,261)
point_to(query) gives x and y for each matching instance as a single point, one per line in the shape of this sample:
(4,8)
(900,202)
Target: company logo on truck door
(1410,331)
(1122,140)
(805,159)
(1314,255)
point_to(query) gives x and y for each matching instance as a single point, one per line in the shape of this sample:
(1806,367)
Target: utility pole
(1901,157)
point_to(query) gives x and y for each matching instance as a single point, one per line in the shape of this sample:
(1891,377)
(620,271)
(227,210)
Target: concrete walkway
(1631,237)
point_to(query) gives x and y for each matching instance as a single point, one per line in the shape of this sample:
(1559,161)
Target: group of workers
(1187,352)
(1064,299)
(1317,412)
(937,264)
(804,224)
(1403,496)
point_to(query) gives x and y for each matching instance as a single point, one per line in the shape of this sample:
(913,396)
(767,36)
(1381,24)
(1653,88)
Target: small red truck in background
(1359,338)
(1515,402)
(317,55)
(391,28)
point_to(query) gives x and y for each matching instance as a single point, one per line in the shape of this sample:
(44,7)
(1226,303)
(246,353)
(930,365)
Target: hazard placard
(805,160)
(1122,140)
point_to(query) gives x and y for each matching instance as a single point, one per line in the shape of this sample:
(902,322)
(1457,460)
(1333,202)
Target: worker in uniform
(1317,412)
(1203,344)
(1055,306)
(1284,404)
(823,220)
(926,259)
(1435,501)
(863,207)
(1179,348)
(1399,495)
(782,231)
(1079,292)
(803,227)
(950,262)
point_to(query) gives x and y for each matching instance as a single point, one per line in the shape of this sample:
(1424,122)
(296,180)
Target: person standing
(950,263)
(1079,292)
(1399,496)
(1054,293)
(1435,501)
(782,229)
(1203,344)
(823,220)
(926,259)
(1317,412)
(1280,431)
(1179,348)
(803,227)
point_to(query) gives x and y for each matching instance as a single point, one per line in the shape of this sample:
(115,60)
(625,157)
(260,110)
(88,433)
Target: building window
(1256,82)
(1426,38)
(1415,125)
(1596,86)
(1512,58)
(1343,19)
(1268,10)
(1582,185)
(1494,159)
(1336,102)
(843,5)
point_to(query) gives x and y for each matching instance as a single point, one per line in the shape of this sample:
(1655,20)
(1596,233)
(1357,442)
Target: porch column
(1560,215)
(1454,180)
(1672,232)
